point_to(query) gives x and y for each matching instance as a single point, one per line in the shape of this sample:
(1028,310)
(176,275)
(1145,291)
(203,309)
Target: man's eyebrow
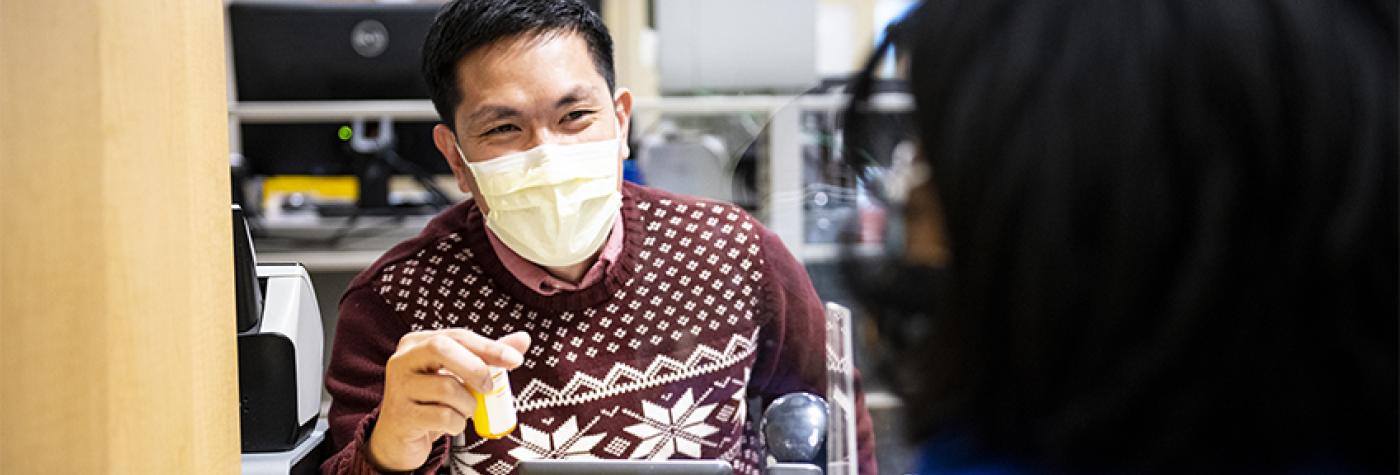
(489,112)
(493,112)
(576,95)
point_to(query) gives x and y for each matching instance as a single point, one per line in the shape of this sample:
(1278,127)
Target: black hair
(463,26)
(1172,229)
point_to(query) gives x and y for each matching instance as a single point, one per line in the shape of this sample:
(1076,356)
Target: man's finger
(508,352)
(520,341)
(441,389)
(436,418)
(493,352)
(443,352)
(414,337)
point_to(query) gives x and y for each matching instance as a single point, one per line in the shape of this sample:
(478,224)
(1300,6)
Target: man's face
(529,90)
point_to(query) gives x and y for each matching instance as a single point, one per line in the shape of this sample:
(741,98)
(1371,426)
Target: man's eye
(576,115)
(501,129)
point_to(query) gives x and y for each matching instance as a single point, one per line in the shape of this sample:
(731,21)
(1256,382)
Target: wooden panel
(116,296)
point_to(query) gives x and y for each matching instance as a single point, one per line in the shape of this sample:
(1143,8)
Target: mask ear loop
(463,156)
(861,89)
(854,126)
(875,283)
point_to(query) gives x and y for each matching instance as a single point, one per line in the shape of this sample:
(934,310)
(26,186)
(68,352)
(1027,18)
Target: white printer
(279,361)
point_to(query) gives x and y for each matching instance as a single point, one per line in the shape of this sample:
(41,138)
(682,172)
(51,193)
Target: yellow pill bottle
(494,417)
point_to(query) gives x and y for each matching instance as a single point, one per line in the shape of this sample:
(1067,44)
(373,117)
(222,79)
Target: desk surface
(304,239)
(300,238)
(281,463)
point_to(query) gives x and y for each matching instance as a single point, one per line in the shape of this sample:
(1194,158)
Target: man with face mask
(635,324)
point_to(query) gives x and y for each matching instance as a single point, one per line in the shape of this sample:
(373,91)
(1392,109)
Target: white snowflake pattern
(464,459)
(739,411)
(566,442)
(678,430)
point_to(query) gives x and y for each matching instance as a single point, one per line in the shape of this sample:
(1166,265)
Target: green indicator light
(344,133)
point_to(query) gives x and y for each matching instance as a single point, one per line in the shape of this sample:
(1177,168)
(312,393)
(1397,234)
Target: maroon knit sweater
(704,309)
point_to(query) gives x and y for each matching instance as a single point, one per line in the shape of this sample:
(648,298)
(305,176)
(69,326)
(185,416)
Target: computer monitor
(302,51)
(308,51)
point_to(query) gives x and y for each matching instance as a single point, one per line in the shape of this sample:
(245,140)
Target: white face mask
(554,204)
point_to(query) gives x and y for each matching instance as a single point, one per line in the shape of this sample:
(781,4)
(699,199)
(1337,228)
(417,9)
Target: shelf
(254,112)
(325,261)
(331,111)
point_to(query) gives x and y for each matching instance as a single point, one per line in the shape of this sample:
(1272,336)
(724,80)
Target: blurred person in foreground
(1156,236)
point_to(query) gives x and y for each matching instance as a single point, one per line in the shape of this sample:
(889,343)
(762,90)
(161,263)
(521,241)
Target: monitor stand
(379,160)
(340,210)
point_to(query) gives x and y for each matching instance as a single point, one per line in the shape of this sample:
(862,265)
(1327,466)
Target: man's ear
(622,106)
(446,143)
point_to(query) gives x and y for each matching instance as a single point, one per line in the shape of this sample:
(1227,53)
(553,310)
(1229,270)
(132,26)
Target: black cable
(391,156)
(341,233)
(345,230)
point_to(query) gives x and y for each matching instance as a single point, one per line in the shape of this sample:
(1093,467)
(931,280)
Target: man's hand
(425,391)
